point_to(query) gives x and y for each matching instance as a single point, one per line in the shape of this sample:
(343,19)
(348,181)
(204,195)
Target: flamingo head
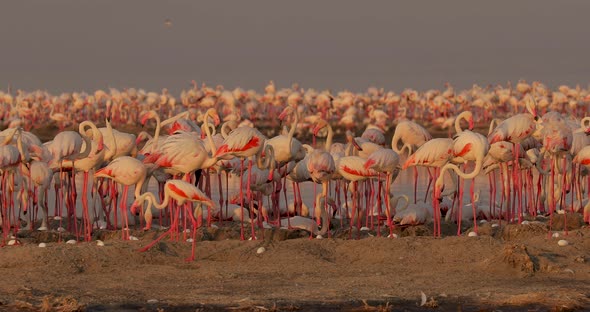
(134,207)
(213,114)
(319,127)
(288,110)
(145,117)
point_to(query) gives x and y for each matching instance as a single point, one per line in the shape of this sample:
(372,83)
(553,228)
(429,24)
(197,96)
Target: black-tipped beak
(536,118)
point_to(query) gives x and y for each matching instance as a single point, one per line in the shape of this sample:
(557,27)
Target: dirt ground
(507,267)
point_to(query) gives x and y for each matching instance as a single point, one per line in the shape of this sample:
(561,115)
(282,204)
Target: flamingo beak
(283,115)
(216,120)
(271,175)
(317,129)
(133,209)
(144,119)
(356,145)
(471,124)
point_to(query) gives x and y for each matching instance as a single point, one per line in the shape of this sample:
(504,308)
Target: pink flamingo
(242,142)
(182,192)
(467,146)
(583,158)
(411,135)
(515,130)
(384,161)
(352,168)
(127,171)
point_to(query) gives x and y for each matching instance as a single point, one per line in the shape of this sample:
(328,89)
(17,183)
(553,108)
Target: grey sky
(84,45)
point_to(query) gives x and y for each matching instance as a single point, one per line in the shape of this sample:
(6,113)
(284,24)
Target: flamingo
(40,175)
(467,146)
(10,158)
(181,192)
(384,161)
(242,142)
(411,135)
(94,159)
(127,171)
(352,169)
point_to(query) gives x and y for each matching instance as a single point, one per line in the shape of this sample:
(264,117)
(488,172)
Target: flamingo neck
(329,138)
(457,170)
(156,133)
(209,137)
(462,116)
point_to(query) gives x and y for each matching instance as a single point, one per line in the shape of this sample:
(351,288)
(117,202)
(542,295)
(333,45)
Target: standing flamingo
(181,192)
(467,146)
(243,142)
(411,135)
(127,171)
(384,161)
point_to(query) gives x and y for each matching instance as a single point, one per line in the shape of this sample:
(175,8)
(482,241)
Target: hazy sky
(84,45)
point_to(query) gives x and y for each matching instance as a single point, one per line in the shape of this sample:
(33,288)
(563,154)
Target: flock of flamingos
(534,149)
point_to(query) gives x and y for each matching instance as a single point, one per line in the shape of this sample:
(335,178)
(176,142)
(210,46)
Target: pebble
(189,240)
(57,218)
(152,301)
(60,229)
(99,243)
(562,242)
(251,238)
(555,235)
(472,234)
(392,235)
(213,226)
(42,245)
(260,250)
(11,242)
(495,225)
(364,228)
(71,241)
(133,238)
(525,222)
(319,237)
(483,221)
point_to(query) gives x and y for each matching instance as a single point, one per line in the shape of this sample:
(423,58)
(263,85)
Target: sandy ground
(508,268)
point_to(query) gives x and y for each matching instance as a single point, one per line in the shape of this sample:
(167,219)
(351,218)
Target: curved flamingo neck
(394,140)
(324,214)
(139,186)
(462,116)
(96,134)
(471,175)
(209,135)
(113,149)
(157,132)
(293,126)
(329,138)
